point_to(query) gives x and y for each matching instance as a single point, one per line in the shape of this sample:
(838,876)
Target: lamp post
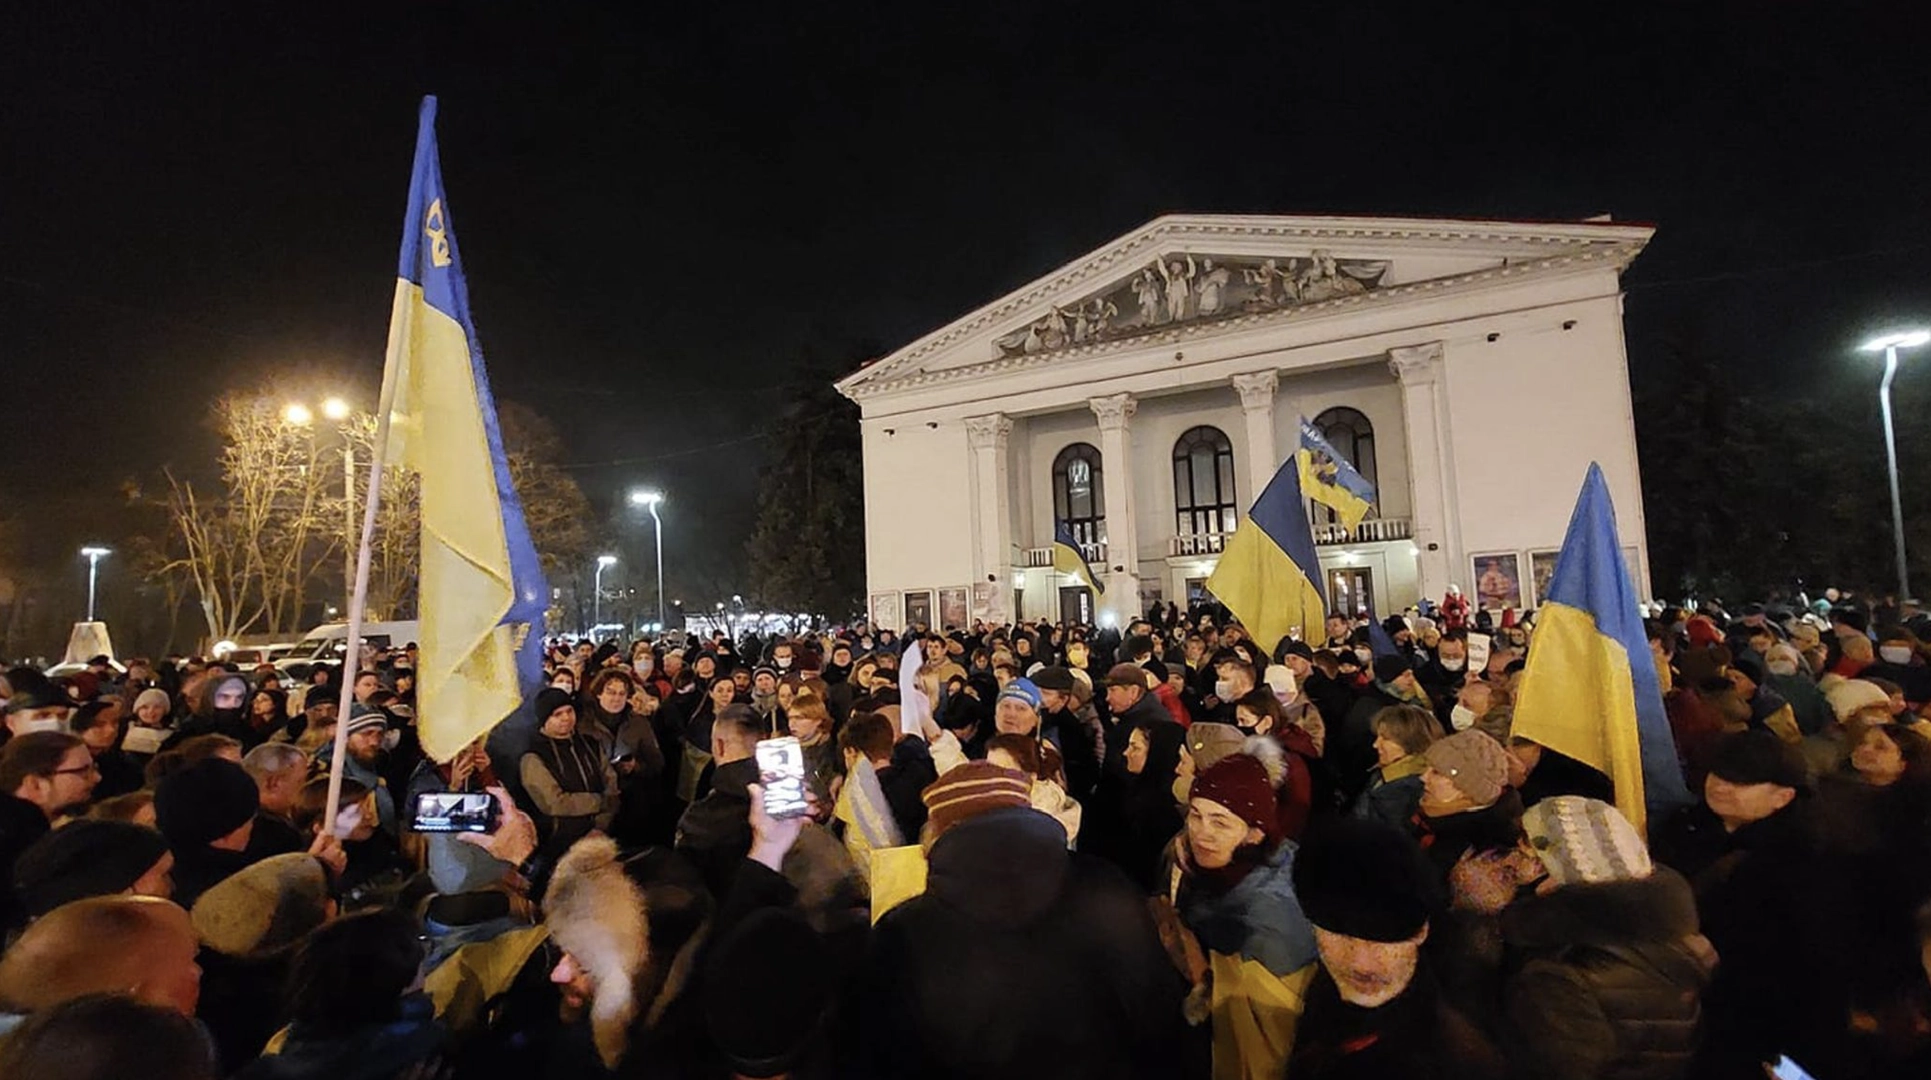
(297,414)
(1889,344)
(95,553)
(604,562)
(652,500)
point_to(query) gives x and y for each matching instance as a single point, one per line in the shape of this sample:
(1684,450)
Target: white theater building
(1145,393)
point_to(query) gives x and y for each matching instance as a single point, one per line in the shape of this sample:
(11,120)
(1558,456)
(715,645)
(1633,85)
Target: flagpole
(358,600)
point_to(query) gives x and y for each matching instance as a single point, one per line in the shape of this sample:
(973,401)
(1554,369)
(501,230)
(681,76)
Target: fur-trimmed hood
(597,914)
(1657,909)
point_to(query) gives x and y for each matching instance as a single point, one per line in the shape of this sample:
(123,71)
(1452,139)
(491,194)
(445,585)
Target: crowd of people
(1041,850)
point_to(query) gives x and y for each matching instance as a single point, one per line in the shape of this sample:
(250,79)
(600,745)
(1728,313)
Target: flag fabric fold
(1331,480)
(1268,574)
(1069,559)
(1590,688)
(481,591)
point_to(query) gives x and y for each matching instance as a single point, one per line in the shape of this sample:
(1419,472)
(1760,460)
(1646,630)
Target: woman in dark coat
(1148,817)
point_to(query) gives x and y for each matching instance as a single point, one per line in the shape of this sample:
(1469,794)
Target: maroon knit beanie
(1239,783)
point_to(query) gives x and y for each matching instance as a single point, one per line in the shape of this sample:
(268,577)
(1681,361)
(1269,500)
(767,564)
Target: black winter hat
(32,689)
(774,945)
(1365,879)
(550,699)
(1759,757)
(85,858)
(204,802)
(1389,668)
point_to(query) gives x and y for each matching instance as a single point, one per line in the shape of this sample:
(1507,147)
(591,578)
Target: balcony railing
(1043,556)
(1371,531)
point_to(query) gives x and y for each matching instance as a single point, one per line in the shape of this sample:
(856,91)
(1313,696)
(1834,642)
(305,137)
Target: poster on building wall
(1542,570)
(885,611)
(1498,580)
(918,610)
(952,609)
(989,604)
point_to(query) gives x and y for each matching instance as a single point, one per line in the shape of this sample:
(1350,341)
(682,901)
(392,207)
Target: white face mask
(1366,656)
(1461,717)
(1454,663)
(1223,689)
(784,663)
(28,727)
(1782,667)
(1895,654)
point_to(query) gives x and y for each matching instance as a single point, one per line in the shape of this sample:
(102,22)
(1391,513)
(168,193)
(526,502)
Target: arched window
(1078,497)
(1203,483)
(1352,436)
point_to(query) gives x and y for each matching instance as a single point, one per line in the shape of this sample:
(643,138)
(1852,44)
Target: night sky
(662,206)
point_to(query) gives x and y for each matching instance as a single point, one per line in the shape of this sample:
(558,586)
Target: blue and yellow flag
(1590,688)
(481,591)
(1069,559)
(1268,574)
(1329,479)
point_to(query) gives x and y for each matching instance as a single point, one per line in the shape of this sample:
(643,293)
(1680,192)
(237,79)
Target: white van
(328,643)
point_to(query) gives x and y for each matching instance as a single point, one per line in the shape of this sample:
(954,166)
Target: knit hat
(1297,648)
(1126,675)
(1854,695)
(1474,761)
(1702,630)
(1748,662)
(362,717)
(263,908)
(204,802)
(1155,668)
(1585,841)
(1210,742)
(1024,691)
(1364,879)
(549,700)
(1389,668)
(972,789)
(153,695)
(771,946)
(1239,783)
(1759,757)
(85,858)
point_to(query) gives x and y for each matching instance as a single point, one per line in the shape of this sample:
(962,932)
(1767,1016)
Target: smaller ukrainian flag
(1268,573)
(1329,479)
(1069,559)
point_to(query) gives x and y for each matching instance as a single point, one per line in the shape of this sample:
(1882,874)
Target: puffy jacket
(1605,980)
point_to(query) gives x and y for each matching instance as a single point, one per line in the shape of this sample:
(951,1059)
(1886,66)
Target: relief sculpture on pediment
(1184,288)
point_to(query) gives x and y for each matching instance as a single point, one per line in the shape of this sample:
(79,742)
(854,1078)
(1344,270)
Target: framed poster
(1542,570)
(1498,580)
(885,611)
(953,613)
(918,610)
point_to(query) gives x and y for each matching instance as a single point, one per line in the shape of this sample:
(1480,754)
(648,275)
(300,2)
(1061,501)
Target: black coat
(21,823)
(715,833)
(1350,748)
(1605,980)
(1416,1036)
(1020,960)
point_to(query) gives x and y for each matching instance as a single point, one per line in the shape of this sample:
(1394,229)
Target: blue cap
(1022,690)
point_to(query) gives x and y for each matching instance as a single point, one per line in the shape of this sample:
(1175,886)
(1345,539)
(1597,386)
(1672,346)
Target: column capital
(1113,411)
(1257,388)
(988,432)
(1415,364)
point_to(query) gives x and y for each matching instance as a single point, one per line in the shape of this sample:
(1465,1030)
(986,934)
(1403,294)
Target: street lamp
(604,562)
(1889,344)
(652,500)
(297,414)
(334,408)
(94,554)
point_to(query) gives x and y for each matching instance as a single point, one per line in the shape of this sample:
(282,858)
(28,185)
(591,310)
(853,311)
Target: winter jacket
(1021,960)
(715,832)
(1260,955)
(21,823)
(376,1052)
(1351,749)
(1605,980)
(1419,1035)
(572,785)
(1445,839)
(1393,792)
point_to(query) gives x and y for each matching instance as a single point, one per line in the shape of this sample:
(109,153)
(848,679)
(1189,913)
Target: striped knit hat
(1585,841)
(972,789)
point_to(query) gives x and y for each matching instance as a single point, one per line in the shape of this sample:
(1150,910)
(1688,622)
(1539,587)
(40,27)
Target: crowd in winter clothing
(1028,850)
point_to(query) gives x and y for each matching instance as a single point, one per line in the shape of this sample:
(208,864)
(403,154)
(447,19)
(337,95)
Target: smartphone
(1786,1069)
(781,771)
(454,812)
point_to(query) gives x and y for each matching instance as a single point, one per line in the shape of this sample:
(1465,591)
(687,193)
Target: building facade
(1145,394)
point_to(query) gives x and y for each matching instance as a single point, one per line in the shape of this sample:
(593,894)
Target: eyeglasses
(84,770)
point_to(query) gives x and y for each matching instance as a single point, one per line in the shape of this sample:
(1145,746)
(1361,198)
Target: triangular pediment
(1190,274)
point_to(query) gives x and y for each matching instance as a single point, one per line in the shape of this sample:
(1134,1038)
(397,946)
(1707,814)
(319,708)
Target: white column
(1257,407)
(1116,471)
(991,509)
(1424,406)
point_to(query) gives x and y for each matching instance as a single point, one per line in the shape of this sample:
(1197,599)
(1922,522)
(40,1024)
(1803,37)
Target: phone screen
(454,812)
(781,771)
(1786,1069)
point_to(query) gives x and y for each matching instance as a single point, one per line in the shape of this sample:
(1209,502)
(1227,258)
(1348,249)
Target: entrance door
(1351,591)
(1076,605)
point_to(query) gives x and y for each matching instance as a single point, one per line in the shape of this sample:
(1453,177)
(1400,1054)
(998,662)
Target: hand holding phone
(781,774)
(454,812)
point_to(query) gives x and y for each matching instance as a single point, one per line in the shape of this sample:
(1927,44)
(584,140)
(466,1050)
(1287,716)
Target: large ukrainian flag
(1267,574)
(1590,689)
(1069,559)
(481,592)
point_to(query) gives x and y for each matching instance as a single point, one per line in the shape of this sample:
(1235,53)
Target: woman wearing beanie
(1233,888)
(153,723)
(1604,966)
(567,773)
(1466,805)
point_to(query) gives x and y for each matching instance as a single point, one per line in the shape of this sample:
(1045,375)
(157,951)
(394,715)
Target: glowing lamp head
(297,414)
(1903,339)
(646,498)
(95,552)
(606,560)
(335,409)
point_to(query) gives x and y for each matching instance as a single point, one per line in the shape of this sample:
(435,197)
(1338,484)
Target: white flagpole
(358,600)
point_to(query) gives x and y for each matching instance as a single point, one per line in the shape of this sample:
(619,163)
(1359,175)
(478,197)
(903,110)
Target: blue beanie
(1023,690)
